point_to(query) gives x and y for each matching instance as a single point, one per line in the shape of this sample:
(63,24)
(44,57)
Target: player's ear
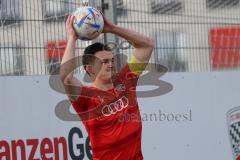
(89,69)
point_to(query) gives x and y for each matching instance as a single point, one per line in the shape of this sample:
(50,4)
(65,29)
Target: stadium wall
(187,122)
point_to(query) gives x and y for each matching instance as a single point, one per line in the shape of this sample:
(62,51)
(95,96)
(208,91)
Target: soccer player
(111,96)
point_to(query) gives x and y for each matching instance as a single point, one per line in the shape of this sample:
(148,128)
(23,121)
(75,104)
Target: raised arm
(71,84)
(143,45)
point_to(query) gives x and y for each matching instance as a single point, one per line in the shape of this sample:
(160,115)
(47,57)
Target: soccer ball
(88,23)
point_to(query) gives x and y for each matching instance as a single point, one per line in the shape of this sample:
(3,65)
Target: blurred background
(190,35)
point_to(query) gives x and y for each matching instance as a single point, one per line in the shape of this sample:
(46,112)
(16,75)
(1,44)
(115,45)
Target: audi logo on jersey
(115,107)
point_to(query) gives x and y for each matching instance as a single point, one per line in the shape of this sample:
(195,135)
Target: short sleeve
(128,77)
(79,103)
(136,65)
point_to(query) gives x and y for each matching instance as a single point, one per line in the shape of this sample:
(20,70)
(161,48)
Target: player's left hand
(108,25)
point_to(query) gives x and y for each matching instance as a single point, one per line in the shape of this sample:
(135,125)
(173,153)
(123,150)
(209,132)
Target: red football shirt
(112,118)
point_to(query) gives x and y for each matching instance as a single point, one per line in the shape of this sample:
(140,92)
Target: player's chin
(109,75)
(106,75)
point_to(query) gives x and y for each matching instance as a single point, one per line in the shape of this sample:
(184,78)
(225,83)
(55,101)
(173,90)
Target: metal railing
(190,35)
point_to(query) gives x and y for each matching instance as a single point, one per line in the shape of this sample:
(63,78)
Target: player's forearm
(136,39)
(67,64)
(143,45)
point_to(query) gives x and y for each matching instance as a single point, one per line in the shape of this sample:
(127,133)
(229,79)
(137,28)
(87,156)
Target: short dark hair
(91,50)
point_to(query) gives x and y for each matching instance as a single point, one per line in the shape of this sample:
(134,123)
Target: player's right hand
(71,34)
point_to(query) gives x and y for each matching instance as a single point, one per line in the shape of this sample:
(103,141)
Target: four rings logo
(115,107)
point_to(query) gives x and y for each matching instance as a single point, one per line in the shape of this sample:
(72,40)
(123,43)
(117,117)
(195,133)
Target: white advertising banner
(187,122)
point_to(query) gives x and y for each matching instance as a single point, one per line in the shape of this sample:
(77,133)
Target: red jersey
(112,118)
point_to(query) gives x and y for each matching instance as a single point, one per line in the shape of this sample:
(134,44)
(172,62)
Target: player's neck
(103,85)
